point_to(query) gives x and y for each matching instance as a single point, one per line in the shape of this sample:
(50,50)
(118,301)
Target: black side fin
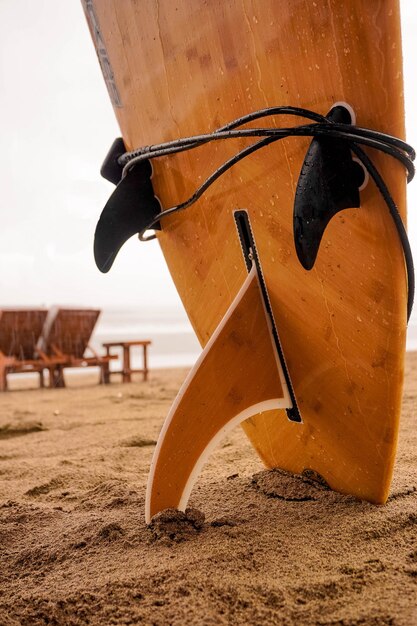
(328,183)
(129,209)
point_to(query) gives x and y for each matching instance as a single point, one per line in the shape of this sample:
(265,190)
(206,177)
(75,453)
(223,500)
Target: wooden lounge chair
(20,330)
(66,335)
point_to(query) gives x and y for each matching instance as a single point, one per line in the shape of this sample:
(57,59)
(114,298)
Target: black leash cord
(395,214)
(250,117)
(191,142)
(373,139)
(322,127)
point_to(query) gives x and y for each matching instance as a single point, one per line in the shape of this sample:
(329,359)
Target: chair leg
(3,378)
(41,379)
(51,372)
(61,379)
(57,377)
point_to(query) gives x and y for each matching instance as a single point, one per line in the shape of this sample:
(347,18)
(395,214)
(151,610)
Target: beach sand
(274,549)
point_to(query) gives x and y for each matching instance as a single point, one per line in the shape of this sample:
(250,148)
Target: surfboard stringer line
(237,376)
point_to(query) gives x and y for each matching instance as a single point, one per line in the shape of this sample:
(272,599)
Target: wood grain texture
(189,67)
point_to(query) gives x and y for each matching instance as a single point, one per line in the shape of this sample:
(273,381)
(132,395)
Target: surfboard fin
(328,183)
(223,389)
(129,209)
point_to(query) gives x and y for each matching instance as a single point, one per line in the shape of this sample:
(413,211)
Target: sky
(56,126)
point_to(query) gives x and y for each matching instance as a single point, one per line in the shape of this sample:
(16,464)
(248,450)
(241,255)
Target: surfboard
(182,69)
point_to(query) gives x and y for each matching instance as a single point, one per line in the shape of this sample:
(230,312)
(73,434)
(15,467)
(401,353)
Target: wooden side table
(127,370)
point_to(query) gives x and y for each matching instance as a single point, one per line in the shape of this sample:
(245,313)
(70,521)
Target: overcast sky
(56,126)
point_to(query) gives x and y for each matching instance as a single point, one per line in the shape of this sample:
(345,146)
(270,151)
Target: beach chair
(66,335)
(20,330)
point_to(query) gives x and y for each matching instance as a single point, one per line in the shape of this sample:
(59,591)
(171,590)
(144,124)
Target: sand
(271,549)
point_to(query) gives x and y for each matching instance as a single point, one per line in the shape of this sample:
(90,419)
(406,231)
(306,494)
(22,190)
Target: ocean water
(174,343)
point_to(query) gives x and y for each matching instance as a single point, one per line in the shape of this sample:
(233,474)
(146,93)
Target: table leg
(145,363)
(105,373)
(127,374)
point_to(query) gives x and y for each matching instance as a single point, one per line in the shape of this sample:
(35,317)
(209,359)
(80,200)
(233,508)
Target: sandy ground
(276,549)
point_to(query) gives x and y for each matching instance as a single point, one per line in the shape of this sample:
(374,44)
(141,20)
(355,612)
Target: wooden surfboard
(180,69)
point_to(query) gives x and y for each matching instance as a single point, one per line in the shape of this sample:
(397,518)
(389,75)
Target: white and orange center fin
(223,389)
